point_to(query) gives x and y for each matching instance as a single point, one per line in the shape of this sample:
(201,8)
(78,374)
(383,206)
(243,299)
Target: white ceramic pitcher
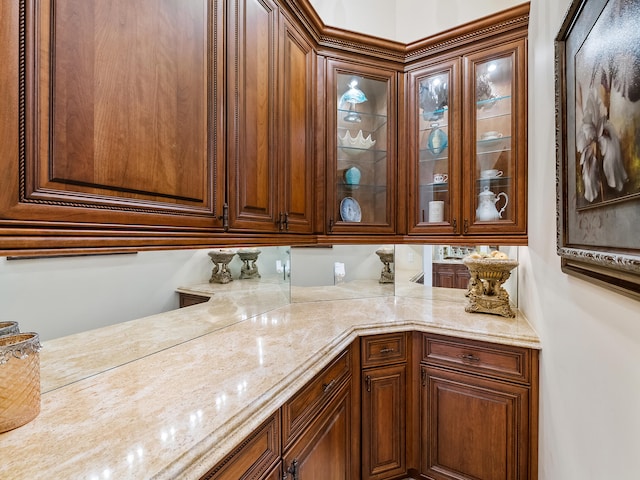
(487,211)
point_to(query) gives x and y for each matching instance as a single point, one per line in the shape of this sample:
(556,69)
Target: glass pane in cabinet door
(494,168)
(361,177)
(434,158)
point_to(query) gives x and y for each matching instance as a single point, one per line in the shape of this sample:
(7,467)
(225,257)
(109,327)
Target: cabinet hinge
(466,226)
(424,377)
(331,224)
(455,225)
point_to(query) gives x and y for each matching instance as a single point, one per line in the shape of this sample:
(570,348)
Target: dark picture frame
(597,77)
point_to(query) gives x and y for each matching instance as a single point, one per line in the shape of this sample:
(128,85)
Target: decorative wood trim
(513,19)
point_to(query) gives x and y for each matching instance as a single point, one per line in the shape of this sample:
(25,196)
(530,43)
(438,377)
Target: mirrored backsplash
(338,272)
(360,271)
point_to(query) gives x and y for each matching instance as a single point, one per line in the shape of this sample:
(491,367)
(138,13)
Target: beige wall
(590,371)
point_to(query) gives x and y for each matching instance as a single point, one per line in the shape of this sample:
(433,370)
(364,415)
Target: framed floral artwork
(597,61)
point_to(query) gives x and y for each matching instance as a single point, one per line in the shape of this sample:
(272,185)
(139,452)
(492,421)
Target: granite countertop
(167,396)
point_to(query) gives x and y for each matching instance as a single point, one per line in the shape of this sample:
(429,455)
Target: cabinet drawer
(499,361)
(188,299)
(384,349)
(298,412)
(254,457)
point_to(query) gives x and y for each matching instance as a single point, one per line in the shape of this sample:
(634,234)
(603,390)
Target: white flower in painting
(586,143)
(599,146)
(609,144)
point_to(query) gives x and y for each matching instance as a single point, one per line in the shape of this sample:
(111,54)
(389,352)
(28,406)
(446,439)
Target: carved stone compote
(485,292)
(221,272)
(249,268)
(386,257)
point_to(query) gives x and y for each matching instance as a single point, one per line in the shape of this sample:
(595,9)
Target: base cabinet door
(323,451)
(383,422)
(473,428)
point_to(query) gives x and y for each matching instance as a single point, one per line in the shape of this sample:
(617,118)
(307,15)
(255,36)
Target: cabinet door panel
(361,148)
(383,422)
(473,428)
(115,130)
(251,98)
(129,119)
(496,156)
(324,450)
(435,145)
(297,94)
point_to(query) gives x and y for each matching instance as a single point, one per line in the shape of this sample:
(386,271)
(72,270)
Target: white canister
(436,211)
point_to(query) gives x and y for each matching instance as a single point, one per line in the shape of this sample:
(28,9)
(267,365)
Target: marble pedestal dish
(386,257)
(249,268)
(221,272)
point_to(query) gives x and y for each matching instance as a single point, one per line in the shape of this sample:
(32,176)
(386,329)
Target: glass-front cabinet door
(467,144)
(434,124)
(361,164)
(496,158)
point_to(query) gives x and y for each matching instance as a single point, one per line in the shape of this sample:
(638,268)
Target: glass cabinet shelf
(427,156)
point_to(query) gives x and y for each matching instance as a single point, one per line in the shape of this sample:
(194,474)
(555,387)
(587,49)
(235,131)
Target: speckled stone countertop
(168,396)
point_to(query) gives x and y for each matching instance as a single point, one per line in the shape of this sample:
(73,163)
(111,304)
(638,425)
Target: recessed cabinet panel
(127,110)
(361,131)
(122,115)
(298,103)
(252,100)
(473,427)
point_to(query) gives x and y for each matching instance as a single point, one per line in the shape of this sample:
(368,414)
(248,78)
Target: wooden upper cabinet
(116,118)
(361,148)
(467,136)
(434,125)
(496,158)
(270,97)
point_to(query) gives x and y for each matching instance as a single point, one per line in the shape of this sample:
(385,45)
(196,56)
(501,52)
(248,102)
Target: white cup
(491,173)
(436,211)
(490,135)
(440,177)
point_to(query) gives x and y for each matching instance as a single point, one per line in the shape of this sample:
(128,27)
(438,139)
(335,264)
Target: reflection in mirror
(118,344)
(340,272)
(259,275)
(437,271)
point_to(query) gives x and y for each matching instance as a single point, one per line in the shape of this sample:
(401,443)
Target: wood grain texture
(128,109)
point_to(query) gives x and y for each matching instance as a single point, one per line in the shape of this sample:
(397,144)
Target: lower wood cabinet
(478,405)
(427,406)
(384,422)
(384,396)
